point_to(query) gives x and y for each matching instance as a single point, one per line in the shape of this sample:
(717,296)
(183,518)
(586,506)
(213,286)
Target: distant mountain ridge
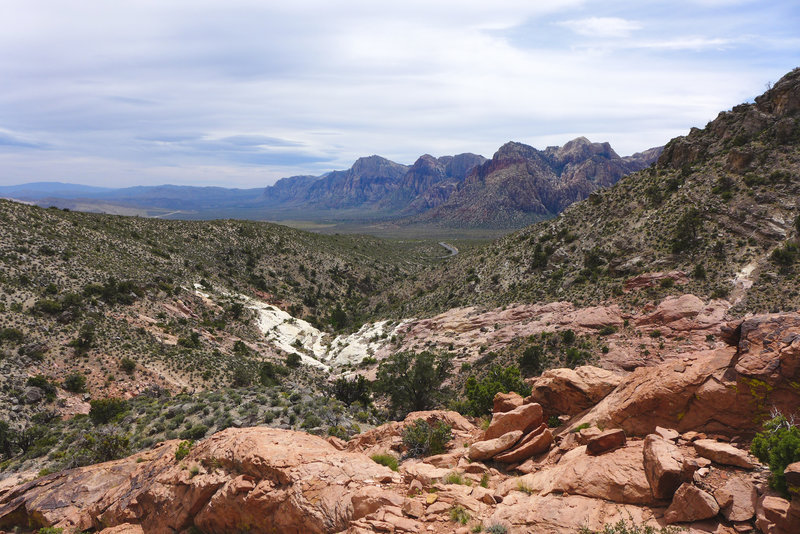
(518,185)
(521,184)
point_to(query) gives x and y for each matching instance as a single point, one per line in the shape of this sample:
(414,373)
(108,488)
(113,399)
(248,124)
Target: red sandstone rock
(737,499)
(483,450)
(723,453)
(505,402)
(525,418)
(663,466)
(792,474)
(607,441)
(533,444)
(773,516)
(570,391)
(691,504)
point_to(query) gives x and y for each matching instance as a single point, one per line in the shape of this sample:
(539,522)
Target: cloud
(602,26)
(153,91)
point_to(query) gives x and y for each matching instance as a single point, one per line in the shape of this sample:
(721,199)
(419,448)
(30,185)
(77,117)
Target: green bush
(622,527)
(385,459)
(103,445)
(413,382)
(480,393)
(13,335)
(778,445)
(496,529)
(459,515)
(41,382)
(193,433)
(532,359)
(127,365)
(293,360)
(184,447)
(103,411)
(422,439)
(352,390)
(75,382)
(269,373)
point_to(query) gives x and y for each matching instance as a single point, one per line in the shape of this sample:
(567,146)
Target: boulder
(616,476)
(534,443)
(607,441)
(570,391)
(32,395)
(737,499)
(483,450)
(690,504)
(524,418)
(723,453)
(696,391)
(674,309)
(505,402)
(774,516)
(663,466)
(371,498)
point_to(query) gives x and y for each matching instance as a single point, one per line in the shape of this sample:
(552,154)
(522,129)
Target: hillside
(717,215)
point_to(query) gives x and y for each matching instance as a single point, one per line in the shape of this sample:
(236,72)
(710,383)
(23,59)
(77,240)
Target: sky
(239,93)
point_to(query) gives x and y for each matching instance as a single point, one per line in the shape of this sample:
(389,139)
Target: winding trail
(450,248)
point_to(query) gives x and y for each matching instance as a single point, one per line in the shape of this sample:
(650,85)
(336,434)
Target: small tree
(103,411)
(127,365)
(480,393)
(293,360)
(413,382)
(352,390)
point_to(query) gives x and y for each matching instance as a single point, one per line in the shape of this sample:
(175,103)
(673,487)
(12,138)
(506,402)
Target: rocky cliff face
(522,184)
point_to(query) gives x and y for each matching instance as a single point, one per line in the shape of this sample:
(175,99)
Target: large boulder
(663,466)
(606,441)
(723,453)
(265,479)
(691,504)
(570,391)
(686,312)
(534,443)
(483,450)
(737,499)
(524,418)
(505,402)
(616,476)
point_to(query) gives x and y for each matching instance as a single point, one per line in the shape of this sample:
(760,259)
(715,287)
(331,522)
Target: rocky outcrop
(664,466)
(570,391)
(265,478)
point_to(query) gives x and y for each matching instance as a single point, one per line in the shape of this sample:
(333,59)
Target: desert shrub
(480,393)
(778,445)
(686,230)
(85,338)
(496,528)
(352,390)
(459,515)
(242,376)
(785,255)
(532,359)
(423,439)
(293,360)
(311,421)
(103,445)
(385,459)
(13,335)
(7,439)
(127,365)
(413,382)
(103,411)
(269,373)
(622,527)
(75,382)
(193,433)
(457,478)
(184,447)
(50,530)
(568,336)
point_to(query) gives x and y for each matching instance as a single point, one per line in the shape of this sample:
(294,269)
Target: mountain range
(519,185)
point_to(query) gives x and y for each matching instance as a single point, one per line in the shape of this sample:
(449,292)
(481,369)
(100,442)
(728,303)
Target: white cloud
(154,91)
(602,26)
